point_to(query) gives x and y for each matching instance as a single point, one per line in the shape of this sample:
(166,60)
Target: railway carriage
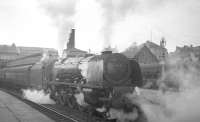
(27,72)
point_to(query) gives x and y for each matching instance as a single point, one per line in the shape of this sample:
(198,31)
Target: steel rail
(65,116)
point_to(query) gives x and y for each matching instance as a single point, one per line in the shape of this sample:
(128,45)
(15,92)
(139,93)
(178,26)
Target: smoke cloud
(37,96)
(170,106)
(179,94)
(62,13)
(114,11)
(45,57)
(183,73)
(101,23)
(80,99)
(121,116)
(176,100)
(95,20)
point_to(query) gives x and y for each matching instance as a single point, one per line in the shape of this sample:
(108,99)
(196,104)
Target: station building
(151,58)
(7,53)
(12,52)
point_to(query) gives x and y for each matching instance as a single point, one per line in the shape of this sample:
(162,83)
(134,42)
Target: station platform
(14,110)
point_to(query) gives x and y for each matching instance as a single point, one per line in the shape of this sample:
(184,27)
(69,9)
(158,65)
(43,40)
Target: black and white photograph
(99,61)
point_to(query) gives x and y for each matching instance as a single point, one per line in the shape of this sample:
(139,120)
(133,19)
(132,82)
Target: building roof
(73,52)
(186,52)
(146,49)
(5,49)
(155,49)
(34,49)
(25,51)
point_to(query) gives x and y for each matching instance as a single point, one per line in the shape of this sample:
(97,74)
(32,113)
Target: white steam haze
(121,116)
(178,98)
(62,13)
(47,23)
(119,23)
(80,99)
(37,96)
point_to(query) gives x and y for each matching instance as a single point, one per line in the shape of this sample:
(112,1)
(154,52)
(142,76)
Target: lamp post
(162,63)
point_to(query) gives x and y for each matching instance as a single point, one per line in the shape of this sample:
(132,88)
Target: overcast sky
(23,23)
(99,23)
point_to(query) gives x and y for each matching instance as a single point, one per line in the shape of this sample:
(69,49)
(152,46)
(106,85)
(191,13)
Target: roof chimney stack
(71,42)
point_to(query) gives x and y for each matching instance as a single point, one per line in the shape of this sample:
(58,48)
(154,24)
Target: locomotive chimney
(106,51)
(71,42)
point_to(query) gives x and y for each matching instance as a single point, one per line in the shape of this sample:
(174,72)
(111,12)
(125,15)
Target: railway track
(48,111)
(62,117)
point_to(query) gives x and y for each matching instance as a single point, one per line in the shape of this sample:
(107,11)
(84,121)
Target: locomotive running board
(75,85)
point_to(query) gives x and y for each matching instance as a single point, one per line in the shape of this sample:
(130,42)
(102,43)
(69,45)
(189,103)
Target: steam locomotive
(91,83)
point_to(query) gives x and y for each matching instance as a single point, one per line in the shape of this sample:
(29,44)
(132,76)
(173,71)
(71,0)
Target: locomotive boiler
(106,70)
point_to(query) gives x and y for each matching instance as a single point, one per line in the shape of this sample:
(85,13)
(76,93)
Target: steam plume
(62,13)
(112,22)
(37,96)
(178,98)
(80,99)
(114,11)
(121,116)
(179,101)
